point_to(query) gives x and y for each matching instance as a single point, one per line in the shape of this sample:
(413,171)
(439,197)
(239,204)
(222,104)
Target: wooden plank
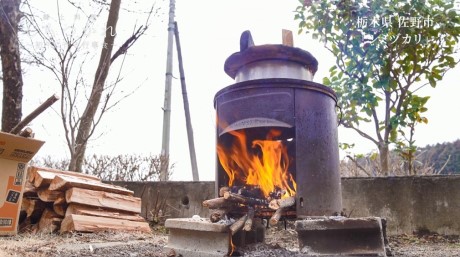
(49,221)
(104,199)
(49,196)
(42,176)
(83,223)
(81,209)
(63,182)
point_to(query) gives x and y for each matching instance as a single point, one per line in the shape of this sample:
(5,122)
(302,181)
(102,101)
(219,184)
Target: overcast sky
(209,33)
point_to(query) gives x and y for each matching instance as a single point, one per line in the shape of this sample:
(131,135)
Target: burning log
(250,191)
(249,220)
(283,203)
(244,200)
(217,203)
(248,202)
(276,216)
(217,215)
(235,227)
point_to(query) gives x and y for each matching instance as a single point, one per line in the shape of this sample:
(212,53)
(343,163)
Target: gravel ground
(279,242)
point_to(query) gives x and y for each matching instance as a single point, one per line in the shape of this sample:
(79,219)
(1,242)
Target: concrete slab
(193,237)
(341,236)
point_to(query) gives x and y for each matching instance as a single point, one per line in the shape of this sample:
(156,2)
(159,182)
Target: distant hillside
(443,157)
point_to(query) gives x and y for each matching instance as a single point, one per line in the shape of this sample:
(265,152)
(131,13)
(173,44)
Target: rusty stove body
(274,89)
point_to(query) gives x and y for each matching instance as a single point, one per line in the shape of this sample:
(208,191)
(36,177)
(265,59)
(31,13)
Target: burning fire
(265,164)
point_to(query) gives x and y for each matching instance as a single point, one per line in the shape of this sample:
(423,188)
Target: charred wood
(218,215)
(235,227)
(244,200)
(249,220)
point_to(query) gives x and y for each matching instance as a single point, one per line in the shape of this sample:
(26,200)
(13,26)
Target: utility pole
(167,101)
(188,122)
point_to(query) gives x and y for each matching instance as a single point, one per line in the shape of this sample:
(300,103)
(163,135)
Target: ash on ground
(279,242)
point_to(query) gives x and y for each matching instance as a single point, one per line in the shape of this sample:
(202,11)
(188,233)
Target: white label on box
(6,222)
(19,174)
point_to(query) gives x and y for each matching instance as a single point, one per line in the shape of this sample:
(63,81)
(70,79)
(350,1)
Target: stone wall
(408,203)
(180,199)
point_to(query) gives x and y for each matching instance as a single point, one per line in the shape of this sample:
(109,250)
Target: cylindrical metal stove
(274,89)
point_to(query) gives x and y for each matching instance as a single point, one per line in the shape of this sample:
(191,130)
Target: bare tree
(126,167)
(61,56)
(87,119)
(11,64)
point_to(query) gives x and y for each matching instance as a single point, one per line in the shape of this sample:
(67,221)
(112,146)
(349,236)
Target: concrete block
(192,237)
(341,236)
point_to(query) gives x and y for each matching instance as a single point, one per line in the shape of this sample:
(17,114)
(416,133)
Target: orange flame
(264,165)
(232,246)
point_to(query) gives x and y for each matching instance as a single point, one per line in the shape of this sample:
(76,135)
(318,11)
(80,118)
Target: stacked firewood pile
(65,201)
(244,203)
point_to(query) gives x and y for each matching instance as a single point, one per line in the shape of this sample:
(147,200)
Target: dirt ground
(279,242)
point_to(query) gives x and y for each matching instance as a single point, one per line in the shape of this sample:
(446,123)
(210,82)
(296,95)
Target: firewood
(252,193)
(244,200)
(45,105)
(60,205)
(237,225)
(103,199)
(27,132)
(267,214)
(47,195)
(249,220)
(34,208)
(217,203)
(275,204)
(222,191)
(276,216)
(42,177)
(29,190)
(64,182)
(28,226)
(33,169)
(84,223)
(81,209)
(25,225)
(49,221)
(217,215)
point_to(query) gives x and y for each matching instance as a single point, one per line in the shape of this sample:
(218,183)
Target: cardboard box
(15,153)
